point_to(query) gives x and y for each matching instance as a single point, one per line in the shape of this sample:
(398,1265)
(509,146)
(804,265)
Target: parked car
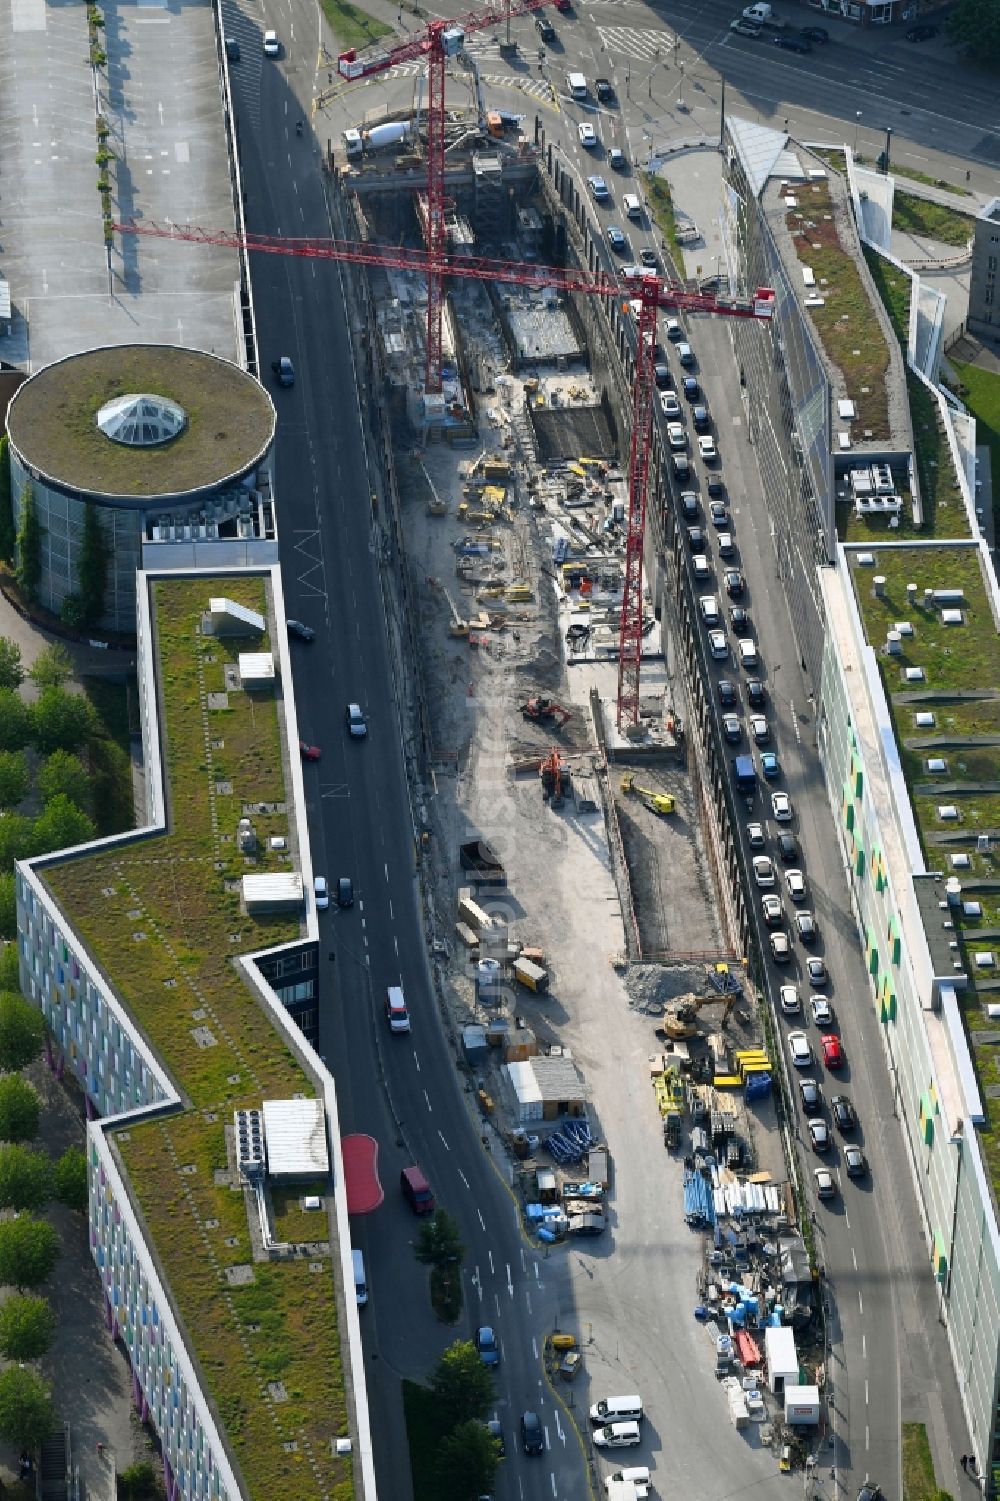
(321,893)
(833,1053)
(799,1050)
(922,33)
(345,892)
(788,997)
(845,1117)
(495,1431)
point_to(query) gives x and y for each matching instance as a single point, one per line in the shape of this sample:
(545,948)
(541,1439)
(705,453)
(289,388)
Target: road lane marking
(534,1347)
(854,1258)
(395,944)
(527,1299)
(480,1214)
(537,1275)
(559,1429)
(510,1285)
(864,1347)
(465,1181)
(524,1264)
(868,1443)
(446,1146)
(490,1255)
(477,1283)
(416,1059)
(430,1107)
(392,914)
(861,1302)
(386,869)
(866,1392)
(552,1476)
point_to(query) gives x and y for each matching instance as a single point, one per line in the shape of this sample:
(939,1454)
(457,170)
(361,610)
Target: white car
(799,1050)
(718,645)
(272,47)
(701,567)
(355,720)
(676,436)
(825,1185)
(674,330)
(669,405)
(788,995)
(780,950)
(781,807)
(588,135)
(755,836)
(599,189)
(816,970)
(708,604)
(707,448)
(796,883)
(759,728)
(321,893)
(771,906)
(820,1008)
(763,870)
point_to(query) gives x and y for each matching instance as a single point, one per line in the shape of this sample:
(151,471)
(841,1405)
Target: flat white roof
(256,666)
(522,1077)
(295,1135)
(779,1350)
(282,886)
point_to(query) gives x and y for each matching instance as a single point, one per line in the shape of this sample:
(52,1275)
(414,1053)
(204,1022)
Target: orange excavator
(543,710)
(554,777)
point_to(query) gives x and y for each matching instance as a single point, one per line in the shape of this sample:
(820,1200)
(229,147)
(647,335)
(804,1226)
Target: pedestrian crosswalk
(532,88)
(632,41)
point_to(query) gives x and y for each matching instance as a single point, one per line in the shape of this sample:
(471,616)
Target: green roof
(52,422)
(162,919)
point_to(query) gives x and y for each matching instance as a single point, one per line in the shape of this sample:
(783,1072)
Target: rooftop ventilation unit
(251,1156)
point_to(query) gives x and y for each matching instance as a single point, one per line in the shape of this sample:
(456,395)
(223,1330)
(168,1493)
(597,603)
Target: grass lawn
(977,811)
(845,323)
(919,1480)
(944,508)
(963,720)
(915,175)
(918,216)
(352,26)
(660,201)
(425,1428)
(894,289)
(980,390)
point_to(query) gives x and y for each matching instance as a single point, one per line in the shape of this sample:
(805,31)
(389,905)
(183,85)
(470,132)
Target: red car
(833,1054)
(309,752)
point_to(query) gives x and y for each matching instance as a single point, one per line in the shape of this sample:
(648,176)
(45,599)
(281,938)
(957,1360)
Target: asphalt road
(402,1090)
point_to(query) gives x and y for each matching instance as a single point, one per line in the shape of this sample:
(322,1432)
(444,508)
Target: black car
(696,539)
(870,1491)
(700,418)
(788,847)
(715,484)
(845,1117)
(793,43)
(649,258)
(689,505)
(756,694)
(817,34)
(232,49)
(691,388)
(733,580)
(297,628)
(728,697)
(345,892)
(739,619)
(532,1437)
(919,34)
(545,29)
(662,376)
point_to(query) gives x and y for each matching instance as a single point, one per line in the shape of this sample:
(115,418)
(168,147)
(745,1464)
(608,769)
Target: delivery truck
(761,14)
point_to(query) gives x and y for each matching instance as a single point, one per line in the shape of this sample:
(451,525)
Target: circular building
(165,448)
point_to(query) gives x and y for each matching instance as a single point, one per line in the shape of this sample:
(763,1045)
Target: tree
(19,1109)
(62,721)
(52,667)
(29,1249)
(29,546)
(8,531)
(16,721)
(139,1481)
(64,775)
(22,1032)
(72,612)
(26,1327)
(62,825)
(11,667)
(8,906)
(17,838)
(461,1383)
(437,1241)
(975,26)
(70,1179)
(467,1462)
(10,978)
(13,778)
(92,569)
(26,1412)
(25,1177)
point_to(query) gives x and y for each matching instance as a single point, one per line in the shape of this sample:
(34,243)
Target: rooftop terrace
(162,919)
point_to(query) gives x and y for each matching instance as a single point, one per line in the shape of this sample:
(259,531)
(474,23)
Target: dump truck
(482,864)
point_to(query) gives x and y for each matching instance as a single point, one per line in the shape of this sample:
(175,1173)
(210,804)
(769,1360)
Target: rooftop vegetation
(162,919)
(929,220)
(848,331)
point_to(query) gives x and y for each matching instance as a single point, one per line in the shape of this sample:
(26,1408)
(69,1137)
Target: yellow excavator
(656,802)
(679,1018)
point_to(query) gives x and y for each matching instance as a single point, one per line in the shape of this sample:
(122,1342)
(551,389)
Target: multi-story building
(983,317)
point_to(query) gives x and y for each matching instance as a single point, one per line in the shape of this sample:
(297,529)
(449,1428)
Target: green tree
(462,1384)
(69,1179)
(16,721)
(139,1481)
(61,825)
(26,1327)
(22,1032)
(975,26)
(29,1249)
(437,1241)
(26,1412)
(92,569)
(25,1177)
(52,667)
(65,775)
(8,906)
(72,612)
(8,531)
(11,666)
(10,979)
(17,838)
(29,546)
(19,1109)
(467,1462)
(62,721)
(13,778)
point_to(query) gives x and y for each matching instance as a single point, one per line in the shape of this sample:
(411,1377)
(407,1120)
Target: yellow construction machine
(679,1018)
(656,802)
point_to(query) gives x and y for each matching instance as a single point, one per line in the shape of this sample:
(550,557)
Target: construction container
(521,1046)
(599,1166)
(470,912)
(531,975)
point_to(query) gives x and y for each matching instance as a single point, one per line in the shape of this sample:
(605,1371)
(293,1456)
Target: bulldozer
(679,1020)
(657,802)
(542,710)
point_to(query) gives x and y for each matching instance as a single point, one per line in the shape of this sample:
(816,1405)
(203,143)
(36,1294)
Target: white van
(360,1282)
(635,1475)
(395,1009)
(632,206)
(618,1436)
(617,1410)
(748,651)
(577,85)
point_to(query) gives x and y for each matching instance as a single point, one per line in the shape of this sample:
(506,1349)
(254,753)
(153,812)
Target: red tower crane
(652,295)
(441,40)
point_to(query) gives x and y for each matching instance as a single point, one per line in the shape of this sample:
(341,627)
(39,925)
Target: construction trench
(501,517)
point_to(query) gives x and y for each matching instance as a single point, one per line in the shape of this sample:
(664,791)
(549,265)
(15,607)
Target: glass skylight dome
(141,421)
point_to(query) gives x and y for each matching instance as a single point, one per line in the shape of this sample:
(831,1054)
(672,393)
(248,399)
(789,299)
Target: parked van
(748,651)
(632,206)
(618,1436)
(635,1475)
(616,1410)
(416,1190)
(395,1009)
(577,85)
(360,1284)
